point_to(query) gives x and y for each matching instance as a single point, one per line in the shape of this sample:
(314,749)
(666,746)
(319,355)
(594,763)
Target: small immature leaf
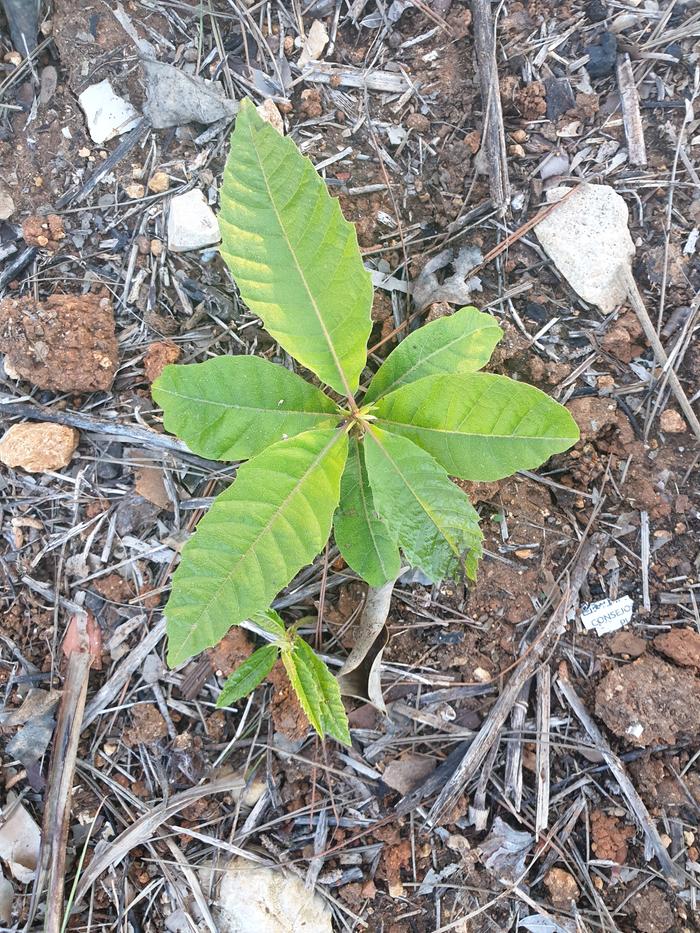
(257,535)
(232,407)
(460,343)
(333,718)
(248,675)
(271,622)
(293,255)
(478,426)
(362,536)
(436,525)
(304,685)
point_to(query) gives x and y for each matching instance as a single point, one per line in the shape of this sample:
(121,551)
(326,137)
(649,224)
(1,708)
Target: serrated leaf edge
(266,657)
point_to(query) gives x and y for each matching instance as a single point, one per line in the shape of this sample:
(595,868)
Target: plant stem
(372,620)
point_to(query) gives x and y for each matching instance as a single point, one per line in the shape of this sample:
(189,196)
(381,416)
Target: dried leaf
(20,839)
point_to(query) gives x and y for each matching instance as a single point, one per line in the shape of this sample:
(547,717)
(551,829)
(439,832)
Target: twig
(54,832)
(347,76)
(144,828)
(513,777)
(478,811)
(18,264)
(433,783)
(121,676)
(125,145)
(672,872)
(494,138)
(543,708)
(479,748)
(662,359)
(631,115)
(76,419)
(645,557)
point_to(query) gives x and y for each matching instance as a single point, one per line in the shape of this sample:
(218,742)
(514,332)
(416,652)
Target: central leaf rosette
(374,468)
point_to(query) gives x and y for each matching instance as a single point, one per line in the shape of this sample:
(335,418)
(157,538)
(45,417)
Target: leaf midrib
(453,546)
(386,422)
(314,306)
(251,408)
(263,531)
(402,380)
(368,522)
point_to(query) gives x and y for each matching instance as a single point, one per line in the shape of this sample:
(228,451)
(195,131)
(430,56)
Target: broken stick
(631,114)
(661,358)
(493,135)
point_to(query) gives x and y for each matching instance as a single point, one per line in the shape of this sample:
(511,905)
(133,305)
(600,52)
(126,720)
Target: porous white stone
(588,240)
(192,224)
(256,898)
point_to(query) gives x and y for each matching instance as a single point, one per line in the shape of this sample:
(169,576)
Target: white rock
(315,43)
(253,899)
(588,241)
(557,164)
(192,224)
(7,205)
(107,114)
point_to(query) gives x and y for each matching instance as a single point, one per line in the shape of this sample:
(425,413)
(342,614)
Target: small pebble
(7,205)
(159,182)
(192,224)
(602,57)
(38,447)
(671,422)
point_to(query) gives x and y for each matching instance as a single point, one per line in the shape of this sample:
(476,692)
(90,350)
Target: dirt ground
(96,303)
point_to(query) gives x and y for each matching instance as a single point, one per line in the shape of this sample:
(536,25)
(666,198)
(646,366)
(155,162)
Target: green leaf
(270,622)
(436,525)
(334,720)
(257,535)
(362,536)
(232,407)
(317,690)
(460,343)
(248,675)
(304,685)
(293,255)
(478,426)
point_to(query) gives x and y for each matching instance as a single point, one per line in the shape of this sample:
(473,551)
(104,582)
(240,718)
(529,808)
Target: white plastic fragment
(107,114)
(256,898)
(588,241)
(192,224)
(607,616)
